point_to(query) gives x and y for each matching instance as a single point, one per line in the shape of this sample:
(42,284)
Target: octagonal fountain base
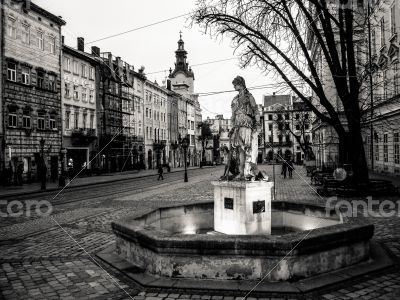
(180,242)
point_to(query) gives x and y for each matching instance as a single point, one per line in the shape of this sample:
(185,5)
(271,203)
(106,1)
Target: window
(12,28)
(52,82)
(91,73)
(297,127)
(270,117)
(76,67)
(393,19)
(91,96)
(52,42)
(150,113)
(84,95)
(25,76)
(287,126)
(279,117)
(67,118)
(52,122)
(192,123)
(84,121)
(383,39)
(83,70)
(307,126)
(396,78)
(12,71)
(40,40)
(12,119)
(91,121)
(396,147)
(26,118)
(26,34)
(270,127)
(41,121)
(76,94)
(67,64)
(147,112)
(385,148)
(297,116)
(286,116)
(76,124)
(287,138)
(67,91)
(40,79)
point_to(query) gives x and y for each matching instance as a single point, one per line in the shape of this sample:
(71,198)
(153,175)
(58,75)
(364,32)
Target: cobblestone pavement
(40,260)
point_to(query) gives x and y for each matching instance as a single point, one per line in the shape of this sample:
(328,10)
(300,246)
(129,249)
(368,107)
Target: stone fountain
(244,235)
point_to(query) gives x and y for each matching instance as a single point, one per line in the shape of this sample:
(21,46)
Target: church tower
(182,77)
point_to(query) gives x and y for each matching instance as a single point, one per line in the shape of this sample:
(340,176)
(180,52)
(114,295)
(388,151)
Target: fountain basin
(179,242)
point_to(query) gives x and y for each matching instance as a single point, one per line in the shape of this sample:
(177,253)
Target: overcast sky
(154,46)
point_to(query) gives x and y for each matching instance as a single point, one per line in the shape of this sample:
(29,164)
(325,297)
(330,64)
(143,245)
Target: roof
(47,14)
(79,54)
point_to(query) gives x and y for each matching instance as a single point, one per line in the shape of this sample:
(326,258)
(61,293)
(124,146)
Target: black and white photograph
(200,149)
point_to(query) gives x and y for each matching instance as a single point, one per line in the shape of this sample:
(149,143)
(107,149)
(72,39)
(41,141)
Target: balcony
(83,136)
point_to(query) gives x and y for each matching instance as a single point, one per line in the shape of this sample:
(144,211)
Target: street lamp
(61,180)
(185,145)
(43,173)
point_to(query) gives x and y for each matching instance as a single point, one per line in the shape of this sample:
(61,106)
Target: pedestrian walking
(160,173)
(20,171)
(290,167)
(284,169)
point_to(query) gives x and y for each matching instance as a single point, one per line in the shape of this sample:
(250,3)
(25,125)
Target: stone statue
(245,122)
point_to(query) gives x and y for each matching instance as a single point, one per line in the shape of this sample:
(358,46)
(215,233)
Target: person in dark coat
(290,167)
(160,173)
(284,169)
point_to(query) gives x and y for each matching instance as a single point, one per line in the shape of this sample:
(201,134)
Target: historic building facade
(31,90)
(285,119)
(155,125)
(79,108)
(120,126)
(383,146)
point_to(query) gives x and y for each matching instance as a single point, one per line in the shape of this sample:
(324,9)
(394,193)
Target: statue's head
(239,80)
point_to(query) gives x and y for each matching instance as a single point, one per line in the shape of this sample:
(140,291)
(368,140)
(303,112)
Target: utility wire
(138,28)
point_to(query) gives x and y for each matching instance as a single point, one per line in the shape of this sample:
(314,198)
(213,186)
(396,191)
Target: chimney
(119,66)
(95,51)
(81,44)
(168,84)
(27,4)
(62,39)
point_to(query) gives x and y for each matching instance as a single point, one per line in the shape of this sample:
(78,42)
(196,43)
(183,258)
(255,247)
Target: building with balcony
(79,107)
(30,97)
(287,124)
(156,130)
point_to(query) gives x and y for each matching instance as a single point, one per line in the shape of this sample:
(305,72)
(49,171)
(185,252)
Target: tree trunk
(351,151)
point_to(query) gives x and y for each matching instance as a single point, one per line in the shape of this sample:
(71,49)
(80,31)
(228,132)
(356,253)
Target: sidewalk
(394,179)
(7,191)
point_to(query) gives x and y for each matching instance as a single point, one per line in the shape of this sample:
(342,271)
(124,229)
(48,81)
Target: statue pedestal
(242,207)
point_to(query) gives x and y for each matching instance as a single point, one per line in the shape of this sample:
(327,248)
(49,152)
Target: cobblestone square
(57,260)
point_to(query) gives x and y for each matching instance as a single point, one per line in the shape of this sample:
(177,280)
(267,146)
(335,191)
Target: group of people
(287,167)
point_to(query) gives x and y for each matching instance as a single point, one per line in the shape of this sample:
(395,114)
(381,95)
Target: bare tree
(277,36)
